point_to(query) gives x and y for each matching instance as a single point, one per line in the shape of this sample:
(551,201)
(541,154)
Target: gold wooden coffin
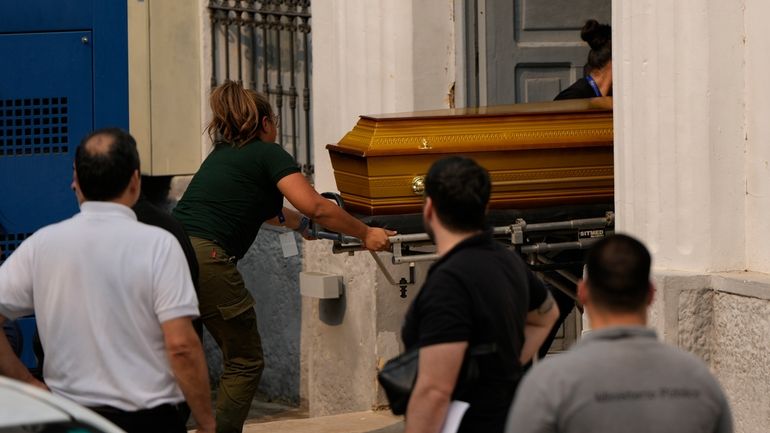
(537,154)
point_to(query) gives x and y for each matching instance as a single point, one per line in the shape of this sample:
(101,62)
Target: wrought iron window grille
(265,46)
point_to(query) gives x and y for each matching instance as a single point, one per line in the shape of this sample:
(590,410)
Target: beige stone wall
(691,171)
(724,319)
(741,357)
(345,340)
(339,335)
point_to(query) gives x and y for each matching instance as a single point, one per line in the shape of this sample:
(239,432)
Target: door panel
(533,47)
(532,52)
(541,82)
(46,107)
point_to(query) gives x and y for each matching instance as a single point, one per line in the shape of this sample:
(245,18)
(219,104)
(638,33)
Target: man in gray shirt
(619,377)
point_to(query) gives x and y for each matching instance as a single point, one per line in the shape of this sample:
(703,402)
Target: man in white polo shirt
(113,299)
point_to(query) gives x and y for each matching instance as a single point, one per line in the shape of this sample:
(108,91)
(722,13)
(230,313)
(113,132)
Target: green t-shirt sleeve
(279,163)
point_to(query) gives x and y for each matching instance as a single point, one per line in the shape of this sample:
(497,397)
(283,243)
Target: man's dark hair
(104,175)
(618,273)
(459,189)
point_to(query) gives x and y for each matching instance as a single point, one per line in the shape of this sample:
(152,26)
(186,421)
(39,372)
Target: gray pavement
(356,422)
(268,416)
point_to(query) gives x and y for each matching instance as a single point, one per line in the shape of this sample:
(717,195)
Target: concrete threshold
(356,422)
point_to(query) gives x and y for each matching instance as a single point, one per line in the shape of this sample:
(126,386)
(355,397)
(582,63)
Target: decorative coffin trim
(537,154)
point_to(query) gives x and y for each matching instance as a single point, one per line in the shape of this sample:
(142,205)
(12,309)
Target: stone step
(355,422)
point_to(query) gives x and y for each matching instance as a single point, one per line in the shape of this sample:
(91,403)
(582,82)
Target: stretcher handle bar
(527,249)
(422,237)
(542,247)
(506,230)
(415,237)
(354,244)
(403,239)
(543,267)
(397,260)
(344,239)
(572,224)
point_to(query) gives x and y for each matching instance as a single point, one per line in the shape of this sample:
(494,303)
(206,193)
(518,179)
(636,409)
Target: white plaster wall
(433,36)
(691,173)
(369,57)
(372,57)
(758,135)
(679,130)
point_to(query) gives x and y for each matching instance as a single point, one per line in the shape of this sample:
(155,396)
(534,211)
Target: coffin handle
(418,185)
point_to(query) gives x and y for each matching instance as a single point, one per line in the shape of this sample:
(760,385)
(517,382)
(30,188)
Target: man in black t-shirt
(148,213)
(479,294)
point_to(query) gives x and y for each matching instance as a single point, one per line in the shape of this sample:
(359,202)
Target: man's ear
(427,207)
(135,183)
(583,292)
(650,294)
(74,185)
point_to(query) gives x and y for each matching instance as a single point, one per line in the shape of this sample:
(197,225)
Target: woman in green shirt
(239,186)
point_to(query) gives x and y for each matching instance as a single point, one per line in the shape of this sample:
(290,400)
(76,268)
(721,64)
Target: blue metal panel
(47,15)
(46,108)
(108,20)
(28,328)
(110,28)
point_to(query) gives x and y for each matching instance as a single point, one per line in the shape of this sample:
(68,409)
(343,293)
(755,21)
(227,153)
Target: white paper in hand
(454,416)
(288,244)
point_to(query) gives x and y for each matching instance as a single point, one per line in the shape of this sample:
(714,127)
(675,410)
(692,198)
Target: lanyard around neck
(593,85)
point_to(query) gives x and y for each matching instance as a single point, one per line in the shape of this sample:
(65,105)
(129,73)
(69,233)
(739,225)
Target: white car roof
(22,404)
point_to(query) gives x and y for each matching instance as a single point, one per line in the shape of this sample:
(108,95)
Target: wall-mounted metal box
(320,285)
(164,81)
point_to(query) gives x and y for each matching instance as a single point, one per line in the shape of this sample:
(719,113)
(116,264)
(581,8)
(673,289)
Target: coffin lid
(556,124)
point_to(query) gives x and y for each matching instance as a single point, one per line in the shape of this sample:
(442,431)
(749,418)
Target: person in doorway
(478,294)
(619,377)
(114,301)
(240,185)
(597,80)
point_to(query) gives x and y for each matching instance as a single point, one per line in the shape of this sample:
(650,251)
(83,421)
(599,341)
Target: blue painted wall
(64,74)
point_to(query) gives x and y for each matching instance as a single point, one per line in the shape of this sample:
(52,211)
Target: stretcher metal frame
(528,239)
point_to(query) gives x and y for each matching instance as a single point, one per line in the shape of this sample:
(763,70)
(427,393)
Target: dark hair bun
(597,35)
